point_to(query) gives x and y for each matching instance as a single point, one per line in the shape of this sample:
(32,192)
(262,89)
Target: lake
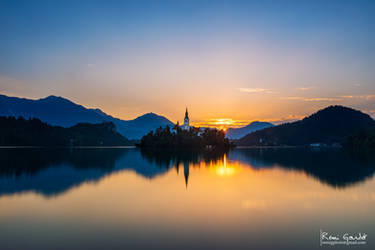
(125,198)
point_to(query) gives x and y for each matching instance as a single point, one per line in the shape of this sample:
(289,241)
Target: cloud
(366,97)
(252,90)
(286,119)
(324,99)
(230,123)
(329,99)
(220,122)
(256,90)
(305,88)
(313,99)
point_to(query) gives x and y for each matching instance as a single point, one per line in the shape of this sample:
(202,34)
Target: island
(191,138)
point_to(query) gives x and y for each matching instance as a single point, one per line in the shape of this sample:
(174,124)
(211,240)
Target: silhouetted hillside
(361,141)
(33,132)
(328,126)
(59,111)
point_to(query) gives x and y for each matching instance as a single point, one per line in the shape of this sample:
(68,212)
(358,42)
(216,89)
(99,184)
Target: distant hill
(33,132)
(237,133)
(328,126)
(62,112)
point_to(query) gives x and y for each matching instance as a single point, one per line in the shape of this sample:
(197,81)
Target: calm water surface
(122,198)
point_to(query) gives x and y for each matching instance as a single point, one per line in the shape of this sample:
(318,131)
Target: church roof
(176,126)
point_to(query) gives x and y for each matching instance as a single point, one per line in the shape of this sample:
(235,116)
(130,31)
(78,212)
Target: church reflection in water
(52,172)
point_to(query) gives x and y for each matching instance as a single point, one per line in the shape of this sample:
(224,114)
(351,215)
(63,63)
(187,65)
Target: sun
(223,123)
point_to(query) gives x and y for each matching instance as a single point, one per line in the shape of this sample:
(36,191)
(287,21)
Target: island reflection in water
(127,198)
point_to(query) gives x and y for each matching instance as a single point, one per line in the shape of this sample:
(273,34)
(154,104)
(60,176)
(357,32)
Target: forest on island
(193,138)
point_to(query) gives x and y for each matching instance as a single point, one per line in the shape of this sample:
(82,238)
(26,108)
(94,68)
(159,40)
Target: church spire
(186,121)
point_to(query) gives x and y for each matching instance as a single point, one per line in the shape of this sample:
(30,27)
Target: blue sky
(243,60)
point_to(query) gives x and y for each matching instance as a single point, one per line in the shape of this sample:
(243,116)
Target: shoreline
(62,147)
(256,147)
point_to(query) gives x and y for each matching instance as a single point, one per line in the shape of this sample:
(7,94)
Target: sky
(229,62)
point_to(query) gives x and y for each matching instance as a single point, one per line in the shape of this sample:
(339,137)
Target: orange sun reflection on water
(223,168)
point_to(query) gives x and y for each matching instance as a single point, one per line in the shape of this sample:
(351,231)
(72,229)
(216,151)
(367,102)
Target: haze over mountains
(63,112)
(237,133)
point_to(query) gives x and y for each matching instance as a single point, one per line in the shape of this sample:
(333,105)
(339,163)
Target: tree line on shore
(193,138)
(33,132)
(363,141)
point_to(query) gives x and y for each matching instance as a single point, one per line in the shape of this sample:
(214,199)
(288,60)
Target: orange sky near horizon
(260,107)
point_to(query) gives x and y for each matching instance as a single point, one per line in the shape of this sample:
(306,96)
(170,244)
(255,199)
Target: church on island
(186,125)
(186,136)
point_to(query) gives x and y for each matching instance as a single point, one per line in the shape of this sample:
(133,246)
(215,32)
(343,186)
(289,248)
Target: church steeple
(186,125)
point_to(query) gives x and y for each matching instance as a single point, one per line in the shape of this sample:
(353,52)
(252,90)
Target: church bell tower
(186,120)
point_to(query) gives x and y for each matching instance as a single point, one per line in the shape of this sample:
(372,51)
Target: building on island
(186,125)
(176,126)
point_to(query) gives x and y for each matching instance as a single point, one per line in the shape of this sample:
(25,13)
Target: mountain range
(59,111)
(327,126)
(237,133)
